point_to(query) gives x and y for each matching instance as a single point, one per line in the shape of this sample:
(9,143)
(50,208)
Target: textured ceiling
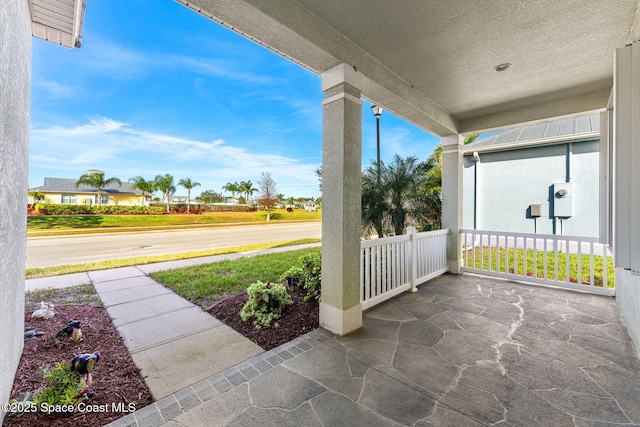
(432,61)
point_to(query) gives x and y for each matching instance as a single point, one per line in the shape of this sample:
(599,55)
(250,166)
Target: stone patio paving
(463,351)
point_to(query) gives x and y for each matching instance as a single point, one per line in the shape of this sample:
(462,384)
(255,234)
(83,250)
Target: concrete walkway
(173,342)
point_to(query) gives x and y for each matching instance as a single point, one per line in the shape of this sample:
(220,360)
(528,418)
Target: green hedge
(51,209)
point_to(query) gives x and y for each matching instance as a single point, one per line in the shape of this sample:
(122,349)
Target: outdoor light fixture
(503,67)
(377,111)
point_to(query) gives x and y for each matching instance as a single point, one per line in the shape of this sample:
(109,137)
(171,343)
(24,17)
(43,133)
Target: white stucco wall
(628,299)
(15,81)
(509,181)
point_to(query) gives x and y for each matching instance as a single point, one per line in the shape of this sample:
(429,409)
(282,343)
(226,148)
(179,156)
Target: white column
(340,308)
(452,198)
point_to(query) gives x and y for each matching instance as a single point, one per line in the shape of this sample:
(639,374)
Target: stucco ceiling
(433,62)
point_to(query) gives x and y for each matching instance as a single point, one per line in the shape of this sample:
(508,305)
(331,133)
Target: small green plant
(292,277)
(64,385)
(265,304)
(311,265)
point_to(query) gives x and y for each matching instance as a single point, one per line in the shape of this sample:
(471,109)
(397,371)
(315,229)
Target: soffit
(58,21)
(432,61)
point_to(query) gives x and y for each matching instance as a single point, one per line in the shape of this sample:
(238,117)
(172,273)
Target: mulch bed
(116,379)
(297,319)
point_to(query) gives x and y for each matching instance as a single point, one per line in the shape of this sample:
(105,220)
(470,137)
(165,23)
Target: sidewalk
(173,342)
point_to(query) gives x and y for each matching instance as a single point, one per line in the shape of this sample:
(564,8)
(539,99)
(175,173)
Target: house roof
(58,21)
(577,129)
(66,185)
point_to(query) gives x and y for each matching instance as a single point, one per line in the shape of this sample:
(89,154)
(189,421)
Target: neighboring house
(512,180)
(63,191)
(310,206)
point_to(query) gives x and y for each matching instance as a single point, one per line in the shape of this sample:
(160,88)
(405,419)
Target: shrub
(311,265)
(289,209)
(65,386)
(292,277)
(265,303)
(52,209)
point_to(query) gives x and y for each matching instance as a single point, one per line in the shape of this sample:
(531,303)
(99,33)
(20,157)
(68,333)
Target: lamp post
(377,111)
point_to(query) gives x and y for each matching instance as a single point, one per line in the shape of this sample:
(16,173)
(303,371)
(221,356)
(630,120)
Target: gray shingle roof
(65,185)
(579,128)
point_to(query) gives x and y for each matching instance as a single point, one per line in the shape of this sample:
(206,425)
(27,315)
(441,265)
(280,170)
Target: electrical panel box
(562,200)
(535,211)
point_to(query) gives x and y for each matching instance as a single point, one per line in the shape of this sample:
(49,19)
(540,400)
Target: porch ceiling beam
(576,105)
(290,30)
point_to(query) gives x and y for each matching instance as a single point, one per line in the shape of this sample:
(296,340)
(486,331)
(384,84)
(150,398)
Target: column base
(455,267)
(340,322)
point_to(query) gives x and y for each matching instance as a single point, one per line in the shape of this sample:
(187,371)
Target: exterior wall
(509,181)
(15,81)
(628,299)
(120,200)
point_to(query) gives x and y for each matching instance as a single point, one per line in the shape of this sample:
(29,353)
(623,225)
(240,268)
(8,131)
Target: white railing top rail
(402,238)
(533,235)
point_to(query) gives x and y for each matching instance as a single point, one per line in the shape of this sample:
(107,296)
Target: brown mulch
(297,319)
(116,379)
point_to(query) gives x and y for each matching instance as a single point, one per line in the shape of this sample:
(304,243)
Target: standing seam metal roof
(542,133)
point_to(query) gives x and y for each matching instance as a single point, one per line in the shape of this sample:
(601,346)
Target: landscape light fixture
(377,111)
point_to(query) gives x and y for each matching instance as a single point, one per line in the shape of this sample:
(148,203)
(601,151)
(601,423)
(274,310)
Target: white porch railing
(392,265)
(572,262)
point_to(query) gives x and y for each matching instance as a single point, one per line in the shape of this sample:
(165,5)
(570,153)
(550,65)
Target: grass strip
(80,294)
(32,273)
(498,264)
(203,284)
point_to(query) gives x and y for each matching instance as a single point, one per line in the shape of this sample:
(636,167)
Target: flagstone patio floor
(463,351)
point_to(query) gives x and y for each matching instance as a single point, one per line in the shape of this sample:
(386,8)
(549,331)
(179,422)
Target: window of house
(105,200)
(68,199)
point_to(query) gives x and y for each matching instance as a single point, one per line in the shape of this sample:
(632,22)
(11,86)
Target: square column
(452,168)
(340,308)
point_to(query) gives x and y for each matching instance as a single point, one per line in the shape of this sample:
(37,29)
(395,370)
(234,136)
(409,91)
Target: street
(79,249)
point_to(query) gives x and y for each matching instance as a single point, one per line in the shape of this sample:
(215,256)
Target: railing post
(413,259)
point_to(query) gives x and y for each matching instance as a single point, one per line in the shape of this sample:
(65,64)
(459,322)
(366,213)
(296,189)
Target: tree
(37,196)
(188,184)
(165,184)
(268,192)
(233,188)
(401,179)
(209,196)
(427,209)
(247,188)
(97,181)
(375,206)
(280,197)
(143,185)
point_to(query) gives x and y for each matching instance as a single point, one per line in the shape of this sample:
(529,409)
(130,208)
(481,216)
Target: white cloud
(123,151)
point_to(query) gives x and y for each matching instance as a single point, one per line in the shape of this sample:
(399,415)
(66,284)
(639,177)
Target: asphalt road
(78,249)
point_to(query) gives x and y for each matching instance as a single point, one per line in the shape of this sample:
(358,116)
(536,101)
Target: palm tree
(428,205)
(97,181)
(165,184)
(402,178)
(374,200)
(233,188)
(247,188)
(143,185)
(188,184)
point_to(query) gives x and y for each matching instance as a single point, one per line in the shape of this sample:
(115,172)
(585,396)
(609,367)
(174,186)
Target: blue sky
(156,88)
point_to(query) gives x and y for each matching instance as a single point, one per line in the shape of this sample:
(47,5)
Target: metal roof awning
(58,21)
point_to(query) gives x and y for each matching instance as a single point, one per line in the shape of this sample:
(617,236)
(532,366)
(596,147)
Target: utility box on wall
(562,200)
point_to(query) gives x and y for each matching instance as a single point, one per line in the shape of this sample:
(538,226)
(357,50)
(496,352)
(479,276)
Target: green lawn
(585,273)
(203,284)
(43,223)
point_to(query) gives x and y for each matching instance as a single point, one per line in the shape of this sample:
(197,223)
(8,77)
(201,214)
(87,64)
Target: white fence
(392,265)
(565,261)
